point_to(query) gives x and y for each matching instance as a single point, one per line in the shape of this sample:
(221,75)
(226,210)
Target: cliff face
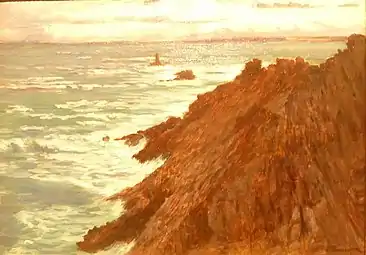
(269,163)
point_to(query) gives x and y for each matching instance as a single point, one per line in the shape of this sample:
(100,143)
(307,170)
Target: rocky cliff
(270,163)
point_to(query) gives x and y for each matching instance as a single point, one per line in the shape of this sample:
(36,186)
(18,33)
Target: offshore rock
(271,163)
(185,75)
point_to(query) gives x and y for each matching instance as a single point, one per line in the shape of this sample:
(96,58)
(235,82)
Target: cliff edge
(270,163)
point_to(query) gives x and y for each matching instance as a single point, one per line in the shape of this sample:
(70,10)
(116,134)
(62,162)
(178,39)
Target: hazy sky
(173,19)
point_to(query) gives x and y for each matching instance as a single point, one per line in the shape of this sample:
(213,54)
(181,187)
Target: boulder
(185,75)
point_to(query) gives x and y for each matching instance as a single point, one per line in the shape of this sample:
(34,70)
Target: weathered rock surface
(185,75)
(271,163)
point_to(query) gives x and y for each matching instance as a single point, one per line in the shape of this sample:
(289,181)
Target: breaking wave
(16,146)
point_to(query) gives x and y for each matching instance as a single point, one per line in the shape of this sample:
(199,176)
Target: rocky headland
(270,163)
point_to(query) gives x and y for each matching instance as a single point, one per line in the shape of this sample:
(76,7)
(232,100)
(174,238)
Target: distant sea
(57,101)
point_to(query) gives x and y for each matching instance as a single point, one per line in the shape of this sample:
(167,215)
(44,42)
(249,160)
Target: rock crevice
(270,163)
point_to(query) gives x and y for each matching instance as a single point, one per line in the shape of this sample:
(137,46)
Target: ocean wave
(114,108)
(91,123)
(43,79)
(98,72)
(13,67)
(6,131)
(67,143)
(90,115)
(62,129)
(50,116)
(64,52)
(110,60)
(114,158)
(108,71)
(55,88)
(41,83)
(18,108)
(151,76)
(84,57)
(79,103)
(31,128)
(139,59)
(64,68)
(43,225)
(35,88)
(61,86)
(3,170)
(17,145)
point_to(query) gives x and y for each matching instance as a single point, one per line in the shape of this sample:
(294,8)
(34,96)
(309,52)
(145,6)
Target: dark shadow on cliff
(270,163)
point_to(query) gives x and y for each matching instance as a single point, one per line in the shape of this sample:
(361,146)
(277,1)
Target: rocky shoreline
(270,163)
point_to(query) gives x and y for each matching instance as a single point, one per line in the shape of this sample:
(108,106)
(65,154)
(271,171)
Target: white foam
(18,108)
(64,53)
(73,104)
(18,145)
(50,116)
(85,106)
(42,83)
(84,160)
(54,222)
(63,68)
(60,129)
(43,79)
(29,128)
(6,131)
(113,59)
(3,169)
(84,57)
(107,72)
(57,85)
(103,169)
(91,123)
(90,109)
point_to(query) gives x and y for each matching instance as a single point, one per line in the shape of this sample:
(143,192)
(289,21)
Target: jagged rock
(151,134)
(185,75)
(271,163)
(157,61)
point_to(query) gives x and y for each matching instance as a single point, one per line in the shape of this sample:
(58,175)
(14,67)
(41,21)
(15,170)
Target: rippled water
(57,101)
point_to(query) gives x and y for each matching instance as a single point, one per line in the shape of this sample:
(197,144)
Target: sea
(59,99)
(57,102)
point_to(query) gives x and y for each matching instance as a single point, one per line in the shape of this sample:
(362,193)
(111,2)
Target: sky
(132,20)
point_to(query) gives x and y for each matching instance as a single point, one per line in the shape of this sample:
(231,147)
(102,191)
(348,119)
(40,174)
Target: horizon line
(260,5)
(310,38)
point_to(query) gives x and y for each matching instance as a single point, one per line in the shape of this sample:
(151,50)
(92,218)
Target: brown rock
(185,75)
(272,163)
(157,61)
(153,135)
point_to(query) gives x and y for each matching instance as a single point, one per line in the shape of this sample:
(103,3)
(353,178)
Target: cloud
(306,4)
(169,20)
(284,5)
(349,5)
